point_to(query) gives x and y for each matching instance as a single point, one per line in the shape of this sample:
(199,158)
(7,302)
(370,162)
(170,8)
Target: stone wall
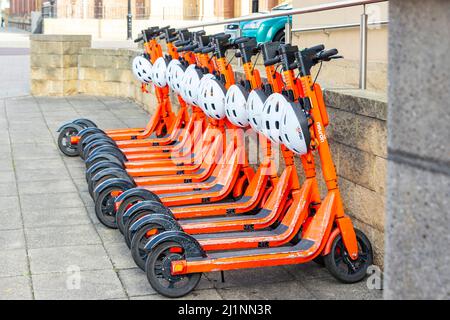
(418,191)
(357,131)
(54,63)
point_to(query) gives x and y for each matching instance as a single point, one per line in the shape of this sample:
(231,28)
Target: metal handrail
(311,9)
(339,26)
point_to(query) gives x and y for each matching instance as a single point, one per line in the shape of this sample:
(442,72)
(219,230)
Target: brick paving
(49,228)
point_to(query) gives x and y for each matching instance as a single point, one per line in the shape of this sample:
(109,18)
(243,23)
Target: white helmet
(294,130)
(142,69)
(212,98)
(159,72)
(235,101)
(190,84)
(175,72)
(203,80)
(254,106)
(271,116)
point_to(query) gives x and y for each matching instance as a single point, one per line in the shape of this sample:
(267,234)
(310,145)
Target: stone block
(85,60)
(417,234)
(104,61)
(361,102)
(70,60)
(46,47)
(47,60)
(363,204)
(91,73)
(365,133)
(363,168)
(118,75)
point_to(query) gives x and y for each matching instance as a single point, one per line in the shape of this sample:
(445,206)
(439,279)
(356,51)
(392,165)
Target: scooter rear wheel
(104,208)
(158,270)
(140,239)
(340,265)
(125,205)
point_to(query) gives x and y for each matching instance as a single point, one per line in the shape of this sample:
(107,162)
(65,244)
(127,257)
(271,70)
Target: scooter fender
(167,223)
(153,207)
(70,124)
(192,248)
(85,123)
(109,149)
(94,137)
(103,165)
(116,172)
(104,157)
(90,130)
(137,192)
(118,183)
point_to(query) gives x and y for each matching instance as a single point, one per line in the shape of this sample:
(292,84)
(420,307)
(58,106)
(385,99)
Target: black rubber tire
(341,270)
(92,186)
(103,210)
(64,145)
(279,36)
(95,144)
(124,206)
(139,239)
(153,260)
(133,219)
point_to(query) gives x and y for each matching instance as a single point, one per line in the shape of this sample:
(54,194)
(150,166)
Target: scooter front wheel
(64,141)
(159,275)
(343,268)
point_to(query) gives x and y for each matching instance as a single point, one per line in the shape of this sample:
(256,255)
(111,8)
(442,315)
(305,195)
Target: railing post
(129,21)
(288,30)
(363,50)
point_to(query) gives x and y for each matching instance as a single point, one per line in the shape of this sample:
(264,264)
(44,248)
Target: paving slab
(10,213)
(292,290)
(43,174)
(73,285)
(50,201)
(35,151)
(58,259)
(13,263)
(55,217)
(120,255)
(15,288)
(135,282)
(40,187)
(8,188)
(12,239)
(61,236)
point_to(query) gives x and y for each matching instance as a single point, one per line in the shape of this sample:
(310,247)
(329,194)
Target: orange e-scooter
(72,133)
(176,261)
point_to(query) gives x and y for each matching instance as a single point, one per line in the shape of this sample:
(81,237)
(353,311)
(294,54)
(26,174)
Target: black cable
(318,71)
(256,60)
